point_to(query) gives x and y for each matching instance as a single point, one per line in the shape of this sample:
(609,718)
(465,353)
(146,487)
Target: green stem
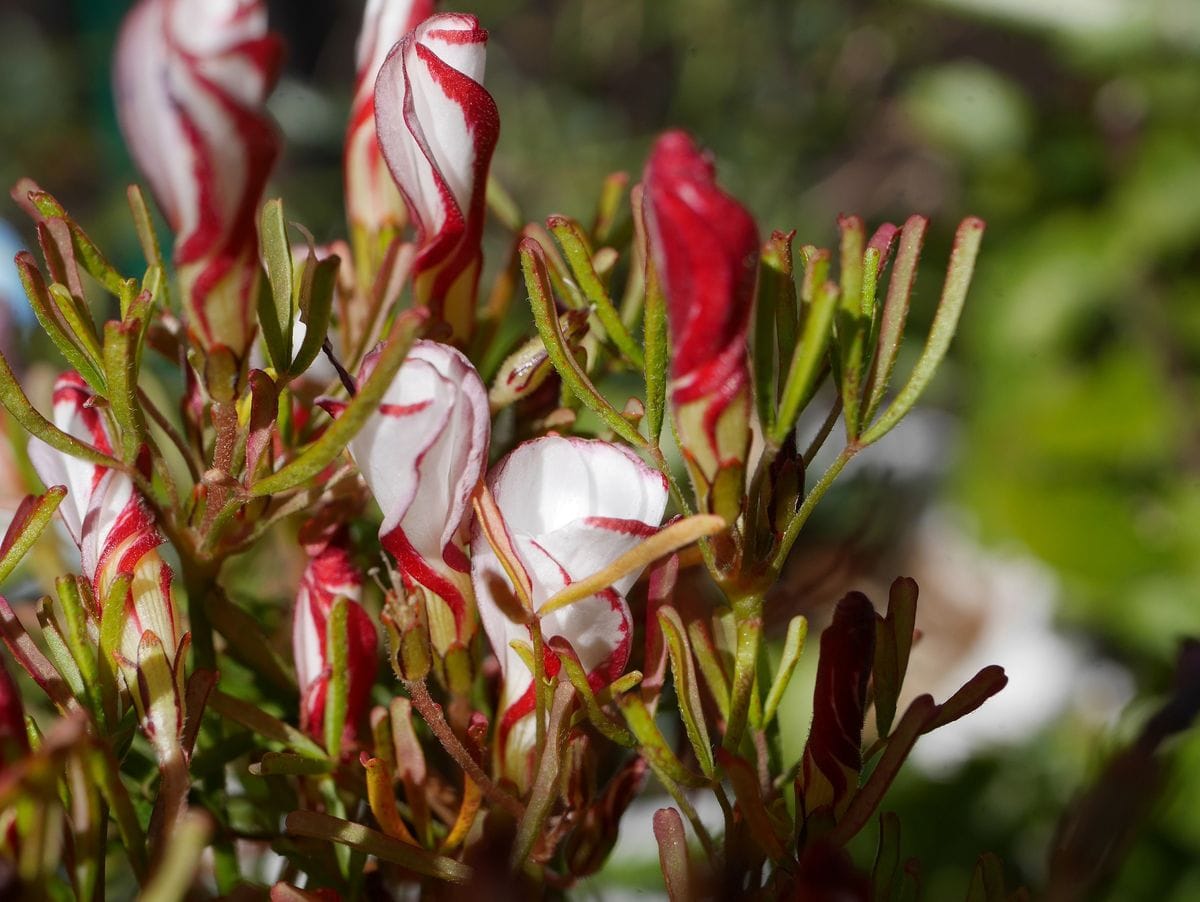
(810,502)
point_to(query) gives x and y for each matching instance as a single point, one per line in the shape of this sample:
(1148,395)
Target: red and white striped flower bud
(192,77)
(437,128)
(422,455)
(331,574)
(570,507)
(705,250)
(117,535)
(373,203)
(110,522)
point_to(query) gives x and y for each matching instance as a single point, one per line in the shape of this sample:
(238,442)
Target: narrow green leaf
(273,763)
(83,650)
(762,359)
(793,646)
(655,336)
(46,309)
(276,320)
(113,613)
(336,652)
(945,321)
(806,362)
(79,324)
(371,842)
(86,251)
(577,676)
(31,659)
(14,400)
(709,659)
(58,649)
(533,264)
(895,312)
(262,723)
(338,434)
(654,745)
(121,373)
(107,774)
(143,225)
(579,257)
(28,523)
(686,689)
(317,304)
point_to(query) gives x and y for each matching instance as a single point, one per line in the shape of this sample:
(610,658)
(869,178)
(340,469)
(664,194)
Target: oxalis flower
(117,535)
(191,80)
(374,206)
(705,250)
(437,128)
(569,508)
(331,573)
(422,455)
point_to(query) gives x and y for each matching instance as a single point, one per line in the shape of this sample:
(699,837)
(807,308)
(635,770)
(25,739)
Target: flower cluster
(361,441)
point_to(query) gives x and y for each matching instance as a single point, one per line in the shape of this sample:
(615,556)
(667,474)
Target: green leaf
(113,613)
(371,842)
(175,874)
(262,723)
(316,302)
(945,321)
(686,689)
(333,441)
(59,326)
(895,312)
(533,264)
(273,763)
(86,251)
(121,373)
(709,659)
(577,676)
(810,349)
(83,650)
(14,400)
(143,225)
(654,331)
(58,649)
(336,653)
(275,309)
(793,646)
(852,323)
(29,521)
(579,257)
(654,746)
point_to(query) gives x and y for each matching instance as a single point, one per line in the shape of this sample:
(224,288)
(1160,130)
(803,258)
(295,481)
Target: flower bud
(331,574)
(705,250)
(422,455)
(570,507)
(437,128)
(111,523)
(373,203)
(191,80)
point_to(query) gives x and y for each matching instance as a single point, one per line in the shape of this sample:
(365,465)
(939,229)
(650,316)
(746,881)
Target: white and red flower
(570,507)
(373,203)
(192,77)
(422,455)
(331,573)
(437,128)
(705,249)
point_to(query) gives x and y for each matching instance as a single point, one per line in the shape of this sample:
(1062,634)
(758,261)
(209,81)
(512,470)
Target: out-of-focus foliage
(1071,127)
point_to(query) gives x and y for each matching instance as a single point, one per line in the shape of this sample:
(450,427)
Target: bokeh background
(1046,496)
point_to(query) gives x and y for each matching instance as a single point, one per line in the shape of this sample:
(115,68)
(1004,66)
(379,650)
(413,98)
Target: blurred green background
(1069,434)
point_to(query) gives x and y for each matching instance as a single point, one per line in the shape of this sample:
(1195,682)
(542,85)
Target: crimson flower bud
(705,250)
(438,127)
(331,574)
(191,80)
